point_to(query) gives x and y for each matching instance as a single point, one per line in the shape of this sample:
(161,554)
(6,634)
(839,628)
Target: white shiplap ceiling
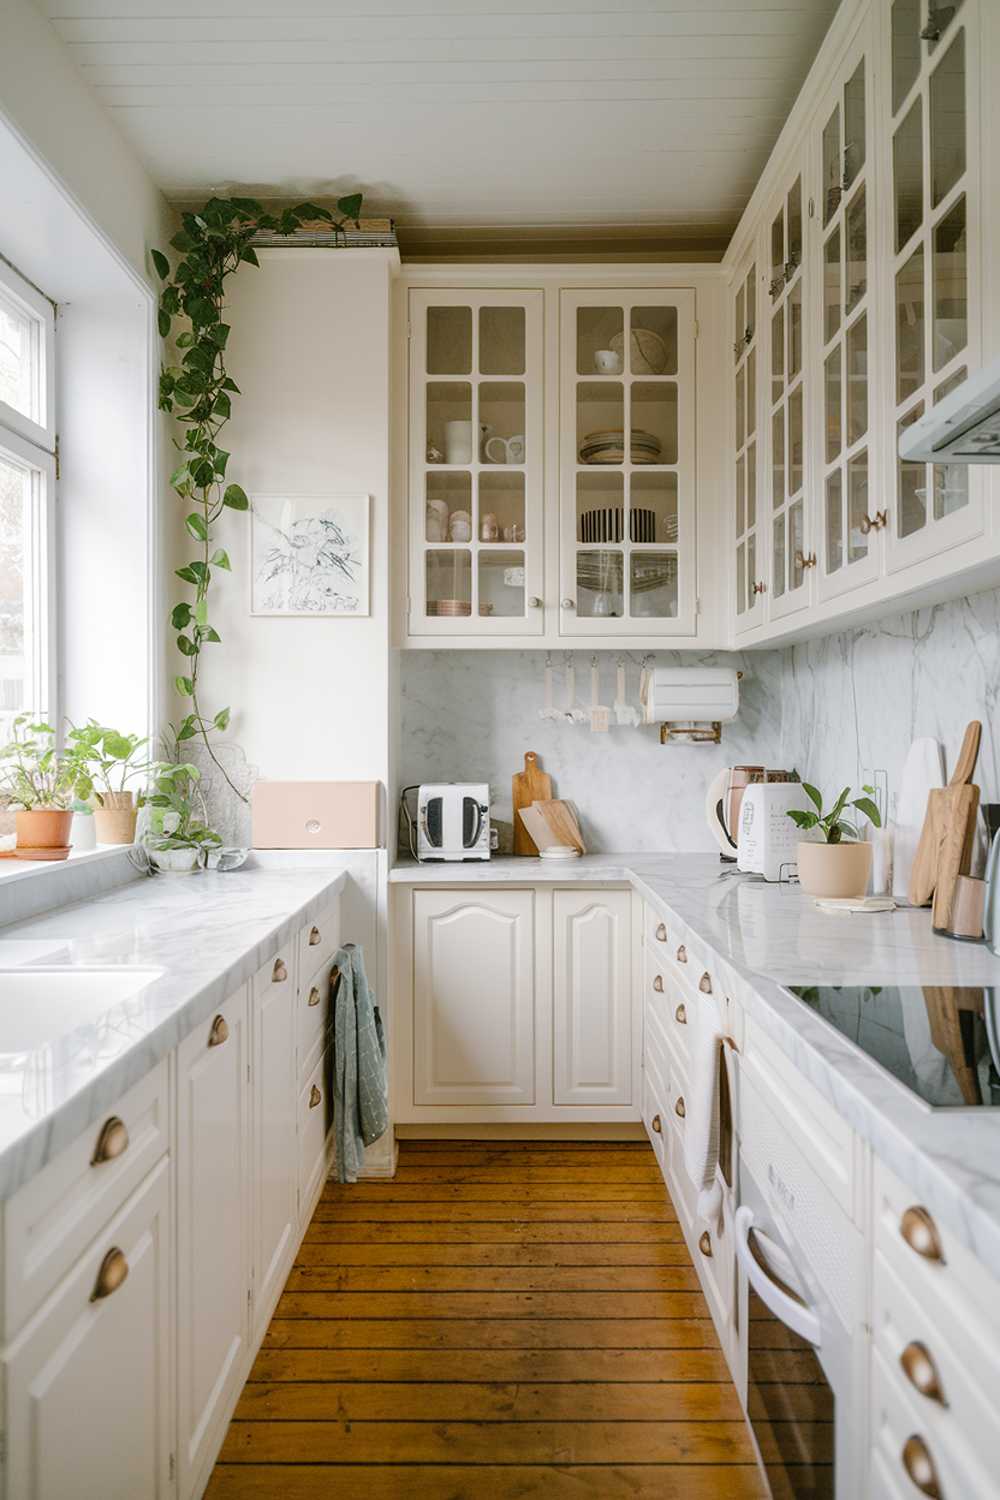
(477,124)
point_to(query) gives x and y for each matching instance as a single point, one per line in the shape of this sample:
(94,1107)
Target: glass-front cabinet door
(627,556)
(749,552)
(850,498)
(933,234)
(476,463)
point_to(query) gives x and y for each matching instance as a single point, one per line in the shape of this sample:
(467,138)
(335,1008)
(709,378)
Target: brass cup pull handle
(681,1015)
(315,1097)
(315,937)
(314,996)
(658,983)
(680,1108)
(919,1466)
(112,1141)
(219,1032)
(113,1271)
(760,587)
(682,954)
(921,1371)
(705,983)
(661,933)
(657,1125)
(705,1244)
(920,1233)
(280,971)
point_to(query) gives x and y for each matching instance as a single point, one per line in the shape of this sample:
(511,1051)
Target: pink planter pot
(835,871)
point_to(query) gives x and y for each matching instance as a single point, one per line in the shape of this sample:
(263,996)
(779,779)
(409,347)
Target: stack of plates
(608,525)
(452,608)
(608,447)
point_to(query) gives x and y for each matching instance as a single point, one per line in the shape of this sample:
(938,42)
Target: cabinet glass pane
(778,458)
(501,585)
(831,286)
(943,15)
(857,506)
(449,424)
(857,380)
(910,326)
(751,301)
(654,423)
(854,125)
(795,554)
(741,579)
(905,48)
(795,441)
(752,579)
(912,481)
(741,398)
(600,422)
(777,353)
(740,324)
(751,369)
(795,223)
(908,174)
(600,584)
(501,507)
(653,341)
(856,234)
(795,330)
(778,556)
(653,514)
(501,422)
(951,489)
(600,330)
(777,251)
(832,403)
(948,120)
(834,504)
(831,167)
(951,329)
(449,583)
(449,340)
(501,340)
(751,485)
(448,495)
(600,507)
(741,483)
(653,585)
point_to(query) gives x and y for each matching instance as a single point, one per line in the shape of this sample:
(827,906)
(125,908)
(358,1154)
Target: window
(27,481)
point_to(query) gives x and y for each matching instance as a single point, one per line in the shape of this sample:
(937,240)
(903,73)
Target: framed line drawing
(310,555)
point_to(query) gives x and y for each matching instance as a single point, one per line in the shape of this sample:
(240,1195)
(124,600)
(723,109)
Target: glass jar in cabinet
(627,435)
(476,463)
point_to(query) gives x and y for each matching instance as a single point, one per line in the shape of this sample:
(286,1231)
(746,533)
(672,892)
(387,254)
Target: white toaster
(767,836)
(453,821)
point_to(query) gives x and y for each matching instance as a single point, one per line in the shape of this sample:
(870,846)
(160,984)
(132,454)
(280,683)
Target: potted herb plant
(177,833)
(40,785)
(836,862)
(105,761)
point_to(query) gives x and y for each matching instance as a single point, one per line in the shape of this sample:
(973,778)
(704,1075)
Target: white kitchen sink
(39,1005)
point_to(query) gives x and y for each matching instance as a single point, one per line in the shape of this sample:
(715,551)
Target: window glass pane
(910,326)
(948,120)
(600,331)
(778,556)
(905,48)
(653,585)
(908,174)
(778,458)
(832,401)
(18,360)
(831,285)
(501,340)
(15,517)
(857,504)
(600,583)
(857,251)
(834,522)
(795,441)
(857,380)
(854,124)
(912,481)
(449,340)
(950,302)
(831,167)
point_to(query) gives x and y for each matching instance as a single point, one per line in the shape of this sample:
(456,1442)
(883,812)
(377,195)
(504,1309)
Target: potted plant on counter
(836,863)
(177,834)
(105,761)
(40,785)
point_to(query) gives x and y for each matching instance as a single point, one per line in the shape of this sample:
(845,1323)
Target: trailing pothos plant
(198,391)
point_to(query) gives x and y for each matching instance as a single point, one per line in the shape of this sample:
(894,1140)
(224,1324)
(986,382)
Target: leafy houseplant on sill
(40,785)
(105,761)
(836,863)
(177,834)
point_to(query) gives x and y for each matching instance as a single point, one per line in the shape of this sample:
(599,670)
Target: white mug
(505,451)
(458,442)
(607,362)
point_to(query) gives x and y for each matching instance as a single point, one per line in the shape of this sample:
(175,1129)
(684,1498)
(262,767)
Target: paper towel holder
(697,731)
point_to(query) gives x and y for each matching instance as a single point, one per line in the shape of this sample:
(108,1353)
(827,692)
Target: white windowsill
(12,870)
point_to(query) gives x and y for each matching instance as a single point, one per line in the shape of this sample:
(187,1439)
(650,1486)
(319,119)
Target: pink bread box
(314,814)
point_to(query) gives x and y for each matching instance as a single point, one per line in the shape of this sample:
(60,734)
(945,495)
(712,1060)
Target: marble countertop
(205,935)
(765,937)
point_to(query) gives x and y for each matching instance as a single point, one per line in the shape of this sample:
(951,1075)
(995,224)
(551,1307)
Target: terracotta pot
(115,818)
(43,828)
(835,871)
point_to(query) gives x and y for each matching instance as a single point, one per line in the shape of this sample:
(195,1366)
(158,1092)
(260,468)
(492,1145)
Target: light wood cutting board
(562,823)
(528,786)
(944,809)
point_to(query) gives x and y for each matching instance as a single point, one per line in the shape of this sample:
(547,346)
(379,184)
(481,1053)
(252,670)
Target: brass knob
(920,1233)
(760,587)
(219,1032)
(919,1466)
(113,1271)
(112,1141)
(705,983)
(682,954)
(705,1244)
(661,933)
(315,1097)
(921,1371)
(679,1107)
(315,936)
(280,972)
(805,560)
(657,1125)
(314,996)
(658,984)
(681,1015)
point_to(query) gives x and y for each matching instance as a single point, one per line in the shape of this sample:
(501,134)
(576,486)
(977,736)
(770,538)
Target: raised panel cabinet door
(212,1228)
(473,997)
(275,1165)
(592,1031)
(88,1382)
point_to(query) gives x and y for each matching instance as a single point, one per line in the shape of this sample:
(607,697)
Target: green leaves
(350,206)
(186,646)
(833,825)
(196,526)
(235,498)
(220,559)
(184,686)
(160,264)
(221,720)
(180,616)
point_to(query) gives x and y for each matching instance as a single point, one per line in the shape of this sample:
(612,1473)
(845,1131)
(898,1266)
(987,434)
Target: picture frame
(310,555)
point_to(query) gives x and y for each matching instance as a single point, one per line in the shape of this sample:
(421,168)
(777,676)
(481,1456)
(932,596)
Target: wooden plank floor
(501,1321)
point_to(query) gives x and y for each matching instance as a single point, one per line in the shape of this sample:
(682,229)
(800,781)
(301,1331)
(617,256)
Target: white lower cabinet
(274,1135)
(592,997)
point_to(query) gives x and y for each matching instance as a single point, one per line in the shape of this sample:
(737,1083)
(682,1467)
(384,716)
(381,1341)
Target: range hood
(964,428)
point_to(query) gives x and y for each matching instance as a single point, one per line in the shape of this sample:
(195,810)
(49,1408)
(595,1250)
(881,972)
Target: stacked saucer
(608,447)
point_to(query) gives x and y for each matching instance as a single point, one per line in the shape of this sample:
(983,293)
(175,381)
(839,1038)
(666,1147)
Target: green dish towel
(360,1082)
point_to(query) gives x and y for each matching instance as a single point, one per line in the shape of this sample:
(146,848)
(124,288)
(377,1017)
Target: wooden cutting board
(956,823)
(528,786)
(942,812)
(562,823)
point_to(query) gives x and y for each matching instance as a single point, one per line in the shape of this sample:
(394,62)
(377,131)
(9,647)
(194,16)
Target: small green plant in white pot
(836,863)
(106,762)
(177,834)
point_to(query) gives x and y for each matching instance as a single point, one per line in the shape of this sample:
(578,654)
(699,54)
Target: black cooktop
(942,1042)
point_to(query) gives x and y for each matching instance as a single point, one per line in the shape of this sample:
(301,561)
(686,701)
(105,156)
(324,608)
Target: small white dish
(559,851)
